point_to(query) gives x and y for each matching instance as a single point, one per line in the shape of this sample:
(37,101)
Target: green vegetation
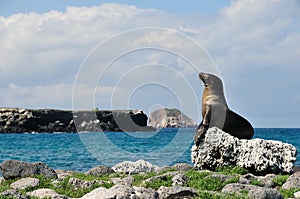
(256,182)
(288,193)
(202,181)
(227,170)
(208,186)
(280,180)
(211,195)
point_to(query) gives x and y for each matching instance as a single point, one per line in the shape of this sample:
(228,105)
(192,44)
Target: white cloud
(254,43)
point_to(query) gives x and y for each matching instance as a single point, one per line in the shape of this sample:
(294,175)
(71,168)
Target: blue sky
(9,7)
(49,49)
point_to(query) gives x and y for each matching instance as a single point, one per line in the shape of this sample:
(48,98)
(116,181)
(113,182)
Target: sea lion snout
(203,77)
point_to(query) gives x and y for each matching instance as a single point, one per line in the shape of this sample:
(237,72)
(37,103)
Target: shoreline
(141,180)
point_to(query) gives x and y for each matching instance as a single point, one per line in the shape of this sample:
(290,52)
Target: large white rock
(25,183)
(134,167)
(257,155)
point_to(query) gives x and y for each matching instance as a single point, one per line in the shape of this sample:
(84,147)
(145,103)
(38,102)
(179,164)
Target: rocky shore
(14,120)
(142,180)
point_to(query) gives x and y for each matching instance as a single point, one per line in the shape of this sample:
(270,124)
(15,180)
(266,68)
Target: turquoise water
(83,151)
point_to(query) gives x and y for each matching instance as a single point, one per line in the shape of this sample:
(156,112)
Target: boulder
(129,167)
(253,191)
(25,183)
(13,193)
(297,194)
(117,191)
(180,180)
(176,192)
(182,167)
(81,184)
(12,169)
(46,193)
(144,193)
(292,182)
(257,155)
(100,170)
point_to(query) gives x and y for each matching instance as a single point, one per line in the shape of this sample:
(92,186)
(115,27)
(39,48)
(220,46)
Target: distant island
(170,118)
(15,120)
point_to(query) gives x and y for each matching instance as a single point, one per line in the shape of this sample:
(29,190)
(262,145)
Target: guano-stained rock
(258,156)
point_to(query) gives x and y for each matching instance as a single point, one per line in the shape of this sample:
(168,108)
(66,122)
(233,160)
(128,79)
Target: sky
(127,54)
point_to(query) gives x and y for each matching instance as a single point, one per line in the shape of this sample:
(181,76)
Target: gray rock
(12,169)
(182,167)
(247,178)
(79,184)
(129,167)
(180,180)
(264,193)
(297,194)
(176,192)
(268,180)
(99,193)
(100,170)
(236,187)
(13,193)
(46,193)
(254,191)
(144,193)
(117,191)
(25,183)
(259,156)
(162,177)
(62,174)
(1,179)
(293,181)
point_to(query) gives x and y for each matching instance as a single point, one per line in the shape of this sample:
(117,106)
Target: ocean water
(82,151)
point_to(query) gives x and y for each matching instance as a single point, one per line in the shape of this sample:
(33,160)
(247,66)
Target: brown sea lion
(215,112)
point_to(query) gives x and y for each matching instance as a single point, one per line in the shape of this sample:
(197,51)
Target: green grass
(63,187)
(227,170)
(288,193)
(207,195)
(155,184)
(201,181)
(280,180)
(256,182)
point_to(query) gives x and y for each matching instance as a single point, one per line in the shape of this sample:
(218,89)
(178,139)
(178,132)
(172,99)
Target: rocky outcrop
(13,120)
(258,156)
(12,169)
(170,118)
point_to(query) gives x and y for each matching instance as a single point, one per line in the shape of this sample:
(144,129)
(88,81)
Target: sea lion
(215,112)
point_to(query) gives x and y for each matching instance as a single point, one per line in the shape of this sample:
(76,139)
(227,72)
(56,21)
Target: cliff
(14,120)
(170,118)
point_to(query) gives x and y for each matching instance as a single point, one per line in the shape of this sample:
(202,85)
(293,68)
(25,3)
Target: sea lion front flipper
(200,133)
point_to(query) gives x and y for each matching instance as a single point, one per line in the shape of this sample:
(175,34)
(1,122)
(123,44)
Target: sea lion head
(212,82)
